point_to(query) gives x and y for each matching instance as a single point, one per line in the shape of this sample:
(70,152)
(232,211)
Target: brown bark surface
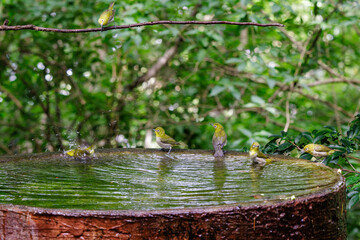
(321,216)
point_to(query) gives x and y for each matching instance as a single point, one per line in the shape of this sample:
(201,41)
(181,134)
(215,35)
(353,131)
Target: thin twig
(43,29)
(352,157)
(5,148)
(346,170)
(333,80)
(333,72)
(337,116)
(350,164)
(287,112)
(295,145)
(329,104)
(6,22)
(12,97)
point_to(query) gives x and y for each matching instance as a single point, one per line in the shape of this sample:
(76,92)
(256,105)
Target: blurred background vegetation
(111,88)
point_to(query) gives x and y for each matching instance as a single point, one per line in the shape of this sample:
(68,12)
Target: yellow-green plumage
(318,150)
(164,140)
(81,152)
(256,155)
(107,16)
(219,139)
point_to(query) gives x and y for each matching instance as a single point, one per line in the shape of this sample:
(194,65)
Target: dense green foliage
(111,88)
(345,144)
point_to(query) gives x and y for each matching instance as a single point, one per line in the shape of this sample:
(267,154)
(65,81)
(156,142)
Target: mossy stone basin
(147,194)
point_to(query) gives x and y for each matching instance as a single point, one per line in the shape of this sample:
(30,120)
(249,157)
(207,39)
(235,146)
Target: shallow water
(155,181)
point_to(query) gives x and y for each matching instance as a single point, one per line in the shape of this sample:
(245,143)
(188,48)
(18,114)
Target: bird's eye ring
(158,130)
(215,126)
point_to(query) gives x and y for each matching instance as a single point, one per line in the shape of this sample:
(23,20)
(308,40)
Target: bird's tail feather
(182,145)
(218,152)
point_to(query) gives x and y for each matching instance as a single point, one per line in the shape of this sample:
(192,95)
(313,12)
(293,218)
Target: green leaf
(271,82)
(346,143)
(353,200)
(276,136)
(275,8)
(308,136)
(352,179)
(354,131)
(246,132)
(236,93)
(323,132)
(201,55)
(216,90)
(285,146)
(352,193)
(137,39)
(306,156)
(257,99)
(337,147)
(318,138)
(356,187)
(331,128)
(241,66)
(298,139)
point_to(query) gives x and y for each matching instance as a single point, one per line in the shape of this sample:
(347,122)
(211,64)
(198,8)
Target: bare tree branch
(330,105)
(6,22)
(333,72)
(287,111)
(334,80)
(12,97)
(160,63)
(43,29)
(297,71)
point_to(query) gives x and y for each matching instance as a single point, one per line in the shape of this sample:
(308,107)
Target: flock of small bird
(219,139)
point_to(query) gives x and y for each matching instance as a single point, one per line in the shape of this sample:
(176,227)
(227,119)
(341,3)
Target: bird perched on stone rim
(219,139)
(165,141)
(107,16)
(256,155)
(318,150)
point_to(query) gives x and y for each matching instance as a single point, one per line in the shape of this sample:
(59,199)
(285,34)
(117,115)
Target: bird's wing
(261,155)
(71,152)
(112,16)
(222,141)
(168,140)
(321,148)
(90,150)
(219,141)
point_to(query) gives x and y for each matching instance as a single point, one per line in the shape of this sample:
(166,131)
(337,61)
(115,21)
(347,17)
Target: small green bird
(256,155)
(318,150)
(107,16)
(81,152)
(219,139)
(164,140)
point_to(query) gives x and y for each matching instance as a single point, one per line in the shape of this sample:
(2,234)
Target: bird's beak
(211,124)
(154,130)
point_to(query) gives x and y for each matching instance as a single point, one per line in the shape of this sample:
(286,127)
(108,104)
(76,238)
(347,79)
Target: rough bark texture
(320,215)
